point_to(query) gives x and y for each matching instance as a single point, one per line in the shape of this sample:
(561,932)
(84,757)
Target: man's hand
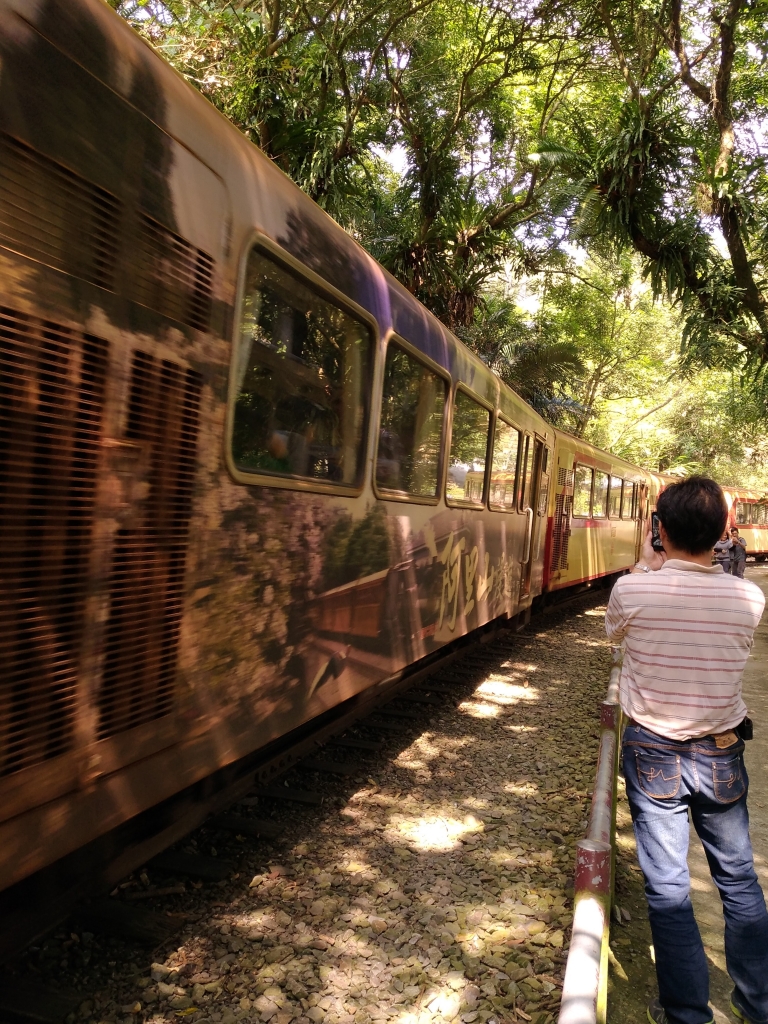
(653,559)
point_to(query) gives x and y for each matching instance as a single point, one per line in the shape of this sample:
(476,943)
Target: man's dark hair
(693,513)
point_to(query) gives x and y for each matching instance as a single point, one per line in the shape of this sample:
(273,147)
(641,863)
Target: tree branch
(678,46)
(620,55)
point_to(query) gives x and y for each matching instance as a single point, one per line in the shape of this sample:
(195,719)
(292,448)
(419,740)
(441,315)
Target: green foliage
(463,89)
(528,356)
(678,163)
(637,395)
(634,130)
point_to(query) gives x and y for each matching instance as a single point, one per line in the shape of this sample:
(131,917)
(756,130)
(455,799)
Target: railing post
(585,986)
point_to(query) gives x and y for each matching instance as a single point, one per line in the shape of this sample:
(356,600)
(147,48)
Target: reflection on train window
(628,500)
(742,513)
(302,381)
(469,445)
(600,496)
(526,466)
(582,490)
(506,447)
(411,432)
(761,515)
(615,502)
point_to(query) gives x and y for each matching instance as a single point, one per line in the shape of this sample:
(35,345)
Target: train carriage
(748,510)
(597,514)
(245,475)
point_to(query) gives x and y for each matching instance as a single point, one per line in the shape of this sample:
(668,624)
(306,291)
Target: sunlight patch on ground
(479,710)
(598,613)
(425,749)
(259,920)
(435,832)
(353,867)
(520,666)
(506,693)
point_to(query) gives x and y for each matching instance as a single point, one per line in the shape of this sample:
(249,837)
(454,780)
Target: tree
(470,96)
(464,87)
(634,128)
(627,343)
(303,80)
(528,355)
(675,155)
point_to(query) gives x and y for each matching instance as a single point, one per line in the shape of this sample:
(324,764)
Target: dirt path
(631,942)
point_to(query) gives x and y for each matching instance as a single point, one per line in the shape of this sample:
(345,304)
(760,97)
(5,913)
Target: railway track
(241,820)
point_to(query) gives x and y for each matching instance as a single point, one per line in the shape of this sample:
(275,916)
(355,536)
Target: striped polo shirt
(687,632)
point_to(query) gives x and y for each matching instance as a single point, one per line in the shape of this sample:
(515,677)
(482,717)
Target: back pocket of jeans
(658,774)
(728,780)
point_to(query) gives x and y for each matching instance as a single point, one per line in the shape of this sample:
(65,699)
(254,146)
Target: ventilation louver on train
(172,276)
(564,477)
(561,531)
(52,215)
(51,400)
(149,561)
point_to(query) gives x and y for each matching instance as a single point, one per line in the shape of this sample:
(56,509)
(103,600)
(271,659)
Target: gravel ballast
(433,886)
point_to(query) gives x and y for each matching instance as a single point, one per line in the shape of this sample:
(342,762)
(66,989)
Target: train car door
(534,492)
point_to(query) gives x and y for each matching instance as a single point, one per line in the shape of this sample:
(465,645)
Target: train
(244,474)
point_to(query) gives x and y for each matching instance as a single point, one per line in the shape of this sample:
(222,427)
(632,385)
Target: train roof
(599,454)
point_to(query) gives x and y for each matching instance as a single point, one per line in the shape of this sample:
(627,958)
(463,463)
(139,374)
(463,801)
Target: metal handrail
(585,987)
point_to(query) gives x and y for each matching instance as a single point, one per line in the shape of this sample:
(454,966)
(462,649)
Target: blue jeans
(665,780)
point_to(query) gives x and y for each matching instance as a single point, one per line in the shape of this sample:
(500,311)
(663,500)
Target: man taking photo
(738,553)
(687,630)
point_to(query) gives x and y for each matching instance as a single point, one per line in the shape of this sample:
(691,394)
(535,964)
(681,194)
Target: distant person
(738,553)
(687,630)
(723,552)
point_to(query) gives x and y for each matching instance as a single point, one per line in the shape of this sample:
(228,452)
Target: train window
(742,513)
(615,497)
(582,490)
(469,447)
(761,514)
(506,448)
(600,496)
(628,500)
(302,380)
(411,431)
(526,467)
(544,483)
